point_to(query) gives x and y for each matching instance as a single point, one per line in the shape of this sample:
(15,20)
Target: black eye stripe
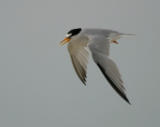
(74,31)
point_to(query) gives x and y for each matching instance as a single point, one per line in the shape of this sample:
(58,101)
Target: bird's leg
(114,41)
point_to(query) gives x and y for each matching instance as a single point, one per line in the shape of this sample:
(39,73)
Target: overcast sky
(38,86)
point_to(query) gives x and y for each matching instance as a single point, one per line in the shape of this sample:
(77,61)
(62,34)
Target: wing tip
(84,81)
(126,99)
(121,93)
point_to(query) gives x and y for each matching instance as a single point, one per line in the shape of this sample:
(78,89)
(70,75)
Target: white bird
(98,42)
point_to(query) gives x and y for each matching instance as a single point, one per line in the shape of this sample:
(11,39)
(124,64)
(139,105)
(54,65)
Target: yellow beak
(66,40)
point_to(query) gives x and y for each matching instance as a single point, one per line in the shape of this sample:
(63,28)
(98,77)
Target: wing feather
(107,66)
(112,75)
(79,56)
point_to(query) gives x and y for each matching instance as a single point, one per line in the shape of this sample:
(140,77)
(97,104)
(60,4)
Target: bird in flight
(97,41)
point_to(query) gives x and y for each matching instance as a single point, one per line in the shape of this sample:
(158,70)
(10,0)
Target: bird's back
(99,32)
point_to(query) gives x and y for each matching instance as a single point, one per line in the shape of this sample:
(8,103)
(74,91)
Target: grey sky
(38,86)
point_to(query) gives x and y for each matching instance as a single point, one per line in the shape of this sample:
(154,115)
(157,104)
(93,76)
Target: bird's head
(71,34)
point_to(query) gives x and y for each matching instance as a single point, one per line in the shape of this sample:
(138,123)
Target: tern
(97,42)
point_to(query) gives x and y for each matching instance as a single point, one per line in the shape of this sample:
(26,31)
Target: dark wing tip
(84,81)
(121,93)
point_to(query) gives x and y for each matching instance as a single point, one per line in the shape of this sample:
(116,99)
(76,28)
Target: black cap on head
(74,32)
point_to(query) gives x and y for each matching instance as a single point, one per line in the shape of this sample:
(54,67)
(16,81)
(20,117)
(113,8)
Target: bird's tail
(123,35)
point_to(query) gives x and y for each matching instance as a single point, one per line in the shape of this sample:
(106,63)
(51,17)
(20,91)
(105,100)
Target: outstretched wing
(107,66)
(79,56)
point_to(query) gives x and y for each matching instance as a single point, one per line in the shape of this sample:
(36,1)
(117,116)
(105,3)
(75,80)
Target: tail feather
(123,35)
